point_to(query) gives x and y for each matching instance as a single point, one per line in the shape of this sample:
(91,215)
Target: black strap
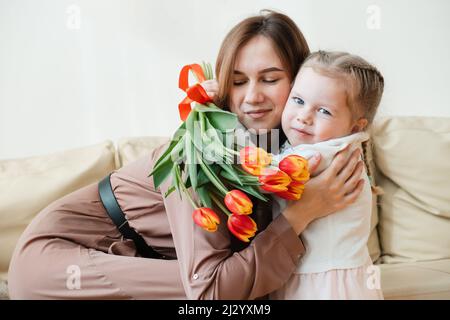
(118,217)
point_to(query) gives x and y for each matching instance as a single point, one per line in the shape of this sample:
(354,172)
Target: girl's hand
(334,189)
(211,87)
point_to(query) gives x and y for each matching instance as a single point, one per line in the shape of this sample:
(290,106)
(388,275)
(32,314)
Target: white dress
(336,264)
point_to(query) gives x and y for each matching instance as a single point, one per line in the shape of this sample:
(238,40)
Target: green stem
(219,204)
(183,186)
(210,176)
(202,123)
(234,152)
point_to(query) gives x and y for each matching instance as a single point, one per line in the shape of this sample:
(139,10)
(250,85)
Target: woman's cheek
(235,101)
(282,93)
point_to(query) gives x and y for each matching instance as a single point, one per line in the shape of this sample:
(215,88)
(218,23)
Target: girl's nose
(253,94)
(305,117)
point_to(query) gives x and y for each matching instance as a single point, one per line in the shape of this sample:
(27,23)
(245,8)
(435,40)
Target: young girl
(333,100)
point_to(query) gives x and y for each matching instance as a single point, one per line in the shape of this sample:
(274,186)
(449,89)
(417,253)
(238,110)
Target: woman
(73,250)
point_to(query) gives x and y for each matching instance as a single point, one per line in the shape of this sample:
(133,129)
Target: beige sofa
(410,239)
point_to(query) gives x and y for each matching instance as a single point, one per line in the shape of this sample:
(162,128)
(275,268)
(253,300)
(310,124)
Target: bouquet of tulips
(203,155)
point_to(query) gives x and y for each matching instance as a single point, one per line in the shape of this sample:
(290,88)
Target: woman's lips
(257,114)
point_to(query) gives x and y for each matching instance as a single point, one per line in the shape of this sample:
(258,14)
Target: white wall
(69,80)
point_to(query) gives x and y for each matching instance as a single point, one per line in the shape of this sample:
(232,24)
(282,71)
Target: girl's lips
(302,132)
(257,114)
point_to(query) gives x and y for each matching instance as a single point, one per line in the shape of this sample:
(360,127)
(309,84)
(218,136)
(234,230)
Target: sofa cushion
(28,185)
(411,154)
(130,149)
(417,280)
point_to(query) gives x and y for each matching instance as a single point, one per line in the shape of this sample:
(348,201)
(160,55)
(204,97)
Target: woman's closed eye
(270,80)
(239,82)
(267,81)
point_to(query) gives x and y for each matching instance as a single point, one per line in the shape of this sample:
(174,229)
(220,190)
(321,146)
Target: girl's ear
(360,125)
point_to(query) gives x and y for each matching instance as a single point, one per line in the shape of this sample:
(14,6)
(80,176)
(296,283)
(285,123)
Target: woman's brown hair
(288,41)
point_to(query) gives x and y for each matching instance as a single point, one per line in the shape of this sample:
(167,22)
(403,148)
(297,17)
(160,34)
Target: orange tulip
(238,202)
(294,191)
(242,226)
(296,167)
(206,218)
(274,180)
(253,160)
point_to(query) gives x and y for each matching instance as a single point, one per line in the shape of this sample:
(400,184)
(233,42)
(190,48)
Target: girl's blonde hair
(364,83)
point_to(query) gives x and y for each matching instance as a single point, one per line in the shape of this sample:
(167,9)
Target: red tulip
(238,202)
(274,180)
(242,226)
(296,167)
(294,192)
(206,218)
(254,160)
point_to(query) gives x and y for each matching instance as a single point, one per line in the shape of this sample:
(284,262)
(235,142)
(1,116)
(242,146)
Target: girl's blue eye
(324,111)
(298,100)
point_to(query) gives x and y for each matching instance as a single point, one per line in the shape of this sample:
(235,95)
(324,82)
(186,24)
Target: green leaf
(161,174)
(163,158)
(174,148)
(245,177)
(175,139)
(203,194)
(177,154)
(194,131)
(189,123)
(220,119)
(202,179)
(187,183)
(206,70)
(176,176)
(229,174)
(223,121)
(211,107)
(215,149)
(191,162)
(169,191)
(211,73)
(211,175)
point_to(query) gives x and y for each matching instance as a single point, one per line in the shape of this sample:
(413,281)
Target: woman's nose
(254,95)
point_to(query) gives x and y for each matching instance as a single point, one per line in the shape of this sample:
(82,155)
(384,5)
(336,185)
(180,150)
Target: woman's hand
(334,189)
(211,87)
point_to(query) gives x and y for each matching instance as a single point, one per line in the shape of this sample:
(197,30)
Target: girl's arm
(334,189)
